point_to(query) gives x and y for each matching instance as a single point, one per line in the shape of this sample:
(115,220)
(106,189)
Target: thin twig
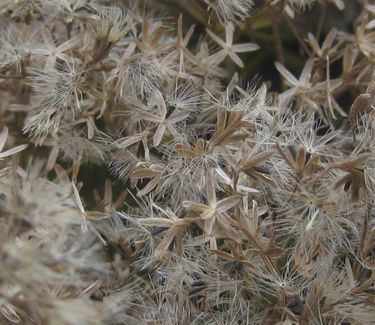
(322,18)
(297,36)
(191,8)
(4,76)
(259,9)
(276,34)
(361,245)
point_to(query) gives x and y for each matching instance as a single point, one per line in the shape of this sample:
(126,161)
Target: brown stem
(322,17)
(360,250)
(346,77)
(259,9)
(297,36)
(191,8)
(276,34)
(4,76)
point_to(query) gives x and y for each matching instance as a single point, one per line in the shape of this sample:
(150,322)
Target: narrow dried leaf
(227,203)
(90,128)
(9,313)
(199,147)
(158,136)
(3,137)
(328,42)
(236,59)
(215,38)
(13,151)
(52,157)
(184,151)
(208,226)
(193,206)
(259,158)
(246,47)
(92,288)
(286,74)
(286,156)
(144,173)
(229,231)
(164,244)
(156,222)
(96,215)
(61,174)
(159,100)
(177,117)
(300,160)
(247,189)
(77,199)
(150,186)
(234,120)
(76,168)
(210,188)
(234,138)
(313,43)
(348,59)
(128,141)
(93,229)
(309,225)
(208,213)
(306,72)
(221,120)
(151,117)
(349,273)
(224,255)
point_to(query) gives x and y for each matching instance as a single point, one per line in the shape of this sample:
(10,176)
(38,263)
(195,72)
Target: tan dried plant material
(187,162)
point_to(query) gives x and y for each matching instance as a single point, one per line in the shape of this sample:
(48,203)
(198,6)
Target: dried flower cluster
(143,181)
